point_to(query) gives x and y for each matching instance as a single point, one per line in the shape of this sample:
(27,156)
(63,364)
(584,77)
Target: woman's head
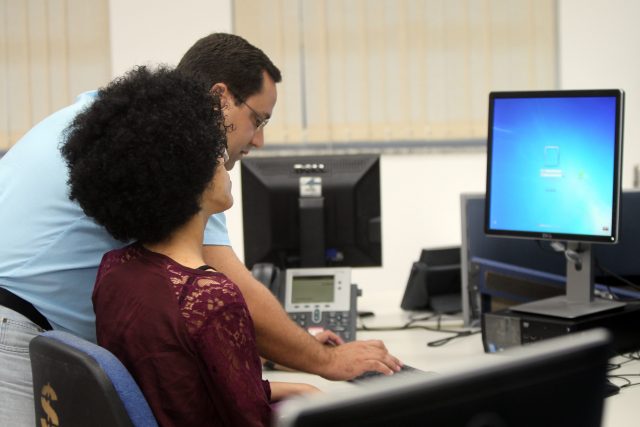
(142,157)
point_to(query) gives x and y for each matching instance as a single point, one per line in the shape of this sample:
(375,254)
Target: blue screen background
(553,165)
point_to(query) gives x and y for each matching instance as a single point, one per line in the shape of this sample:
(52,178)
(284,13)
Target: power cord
(411,325)
(408,325)
(617,276)
(630,357)
(443,341)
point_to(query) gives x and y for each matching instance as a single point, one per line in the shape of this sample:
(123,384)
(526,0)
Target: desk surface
(621,410)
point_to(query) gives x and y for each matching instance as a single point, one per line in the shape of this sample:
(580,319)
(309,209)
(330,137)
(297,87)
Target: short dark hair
(141,156)
(229,59)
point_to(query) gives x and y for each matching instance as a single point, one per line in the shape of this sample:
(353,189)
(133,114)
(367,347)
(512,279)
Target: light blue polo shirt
(49,249)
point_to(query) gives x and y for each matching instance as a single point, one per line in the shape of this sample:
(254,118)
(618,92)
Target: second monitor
(554,161)
(312,211)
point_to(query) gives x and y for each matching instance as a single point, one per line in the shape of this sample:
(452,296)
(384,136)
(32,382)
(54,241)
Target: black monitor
(312,211)
(616,266)
(555,382)
(554,161)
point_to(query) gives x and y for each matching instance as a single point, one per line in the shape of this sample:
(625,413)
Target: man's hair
(229,59)
(141,156)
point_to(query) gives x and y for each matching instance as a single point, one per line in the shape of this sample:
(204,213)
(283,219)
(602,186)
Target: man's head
(244,78)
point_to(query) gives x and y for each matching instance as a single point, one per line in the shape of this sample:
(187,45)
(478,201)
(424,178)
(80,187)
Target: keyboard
(406,370)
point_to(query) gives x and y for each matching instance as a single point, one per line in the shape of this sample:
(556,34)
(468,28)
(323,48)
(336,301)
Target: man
(50,250)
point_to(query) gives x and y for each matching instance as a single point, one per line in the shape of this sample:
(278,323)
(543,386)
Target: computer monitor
(555,382)
(615,265)
(554,161)
(312,211)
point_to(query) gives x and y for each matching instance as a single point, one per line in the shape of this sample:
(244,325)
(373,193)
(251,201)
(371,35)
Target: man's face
(244,118)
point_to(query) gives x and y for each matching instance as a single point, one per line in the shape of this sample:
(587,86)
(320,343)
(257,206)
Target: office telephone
(434,282)
(315,298)
(270,276)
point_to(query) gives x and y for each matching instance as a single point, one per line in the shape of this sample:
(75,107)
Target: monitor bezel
(343,175)
(612,238)
(499,387)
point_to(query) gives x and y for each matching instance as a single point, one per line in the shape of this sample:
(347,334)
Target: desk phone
(322,298)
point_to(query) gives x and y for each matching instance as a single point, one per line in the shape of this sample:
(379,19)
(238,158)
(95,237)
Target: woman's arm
(281,390)
(226,345)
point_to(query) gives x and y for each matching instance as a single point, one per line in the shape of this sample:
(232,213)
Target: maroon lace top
(185,335)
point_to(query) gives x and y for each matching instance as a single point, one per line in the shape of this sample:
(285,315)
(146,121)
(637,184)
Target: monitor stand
(579,299)
(311,231)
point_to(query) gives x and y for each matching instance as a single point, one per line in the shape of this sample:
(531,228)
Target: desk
(622,410)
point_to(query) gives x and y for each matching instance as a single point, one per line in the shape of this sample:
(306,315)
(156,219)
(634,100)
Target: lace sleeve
(227,345)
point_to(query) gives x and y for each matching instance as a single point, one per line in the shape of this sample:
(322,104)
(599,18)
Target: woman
(146,162)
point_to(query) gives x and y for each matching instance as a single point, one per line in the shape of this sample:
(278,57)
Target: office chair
(78,383)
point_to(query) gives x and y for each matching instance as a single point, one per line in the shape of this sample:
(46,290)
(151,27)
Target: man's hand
(354,358)
(346,361)
(329,337)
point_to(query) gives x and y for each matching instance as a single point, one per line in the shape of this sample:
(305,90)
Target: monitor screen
(555,382)
(554,161)
(312,211)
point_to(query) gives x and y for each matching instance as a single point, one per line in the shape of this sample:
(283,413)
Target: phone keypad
(336,321)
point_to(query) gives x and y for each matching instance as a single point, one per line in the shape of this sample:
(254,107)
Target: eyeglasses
(260,121)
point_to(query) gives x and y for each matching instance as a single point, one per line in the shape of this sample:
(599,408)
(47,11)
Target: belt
(19,305)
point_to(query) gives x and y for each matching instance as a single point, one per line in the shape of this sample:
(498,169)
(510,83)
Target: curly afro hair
(141,156)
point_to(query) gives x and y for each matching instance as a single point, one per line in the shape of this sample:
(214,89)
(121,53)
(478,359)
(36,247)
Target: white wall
(161,31)
(599,47)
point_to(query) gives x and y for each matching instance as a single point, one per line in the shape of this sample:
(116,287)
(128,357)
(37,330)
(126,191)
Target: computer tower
(506,328)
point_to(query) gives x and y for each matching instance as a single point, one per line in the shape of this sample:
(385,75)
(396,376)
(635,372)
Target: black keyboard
(406,370)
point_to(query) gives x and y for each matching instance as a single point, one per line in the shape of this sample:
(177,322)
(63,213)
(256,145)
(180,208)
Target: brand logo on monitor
(308,168)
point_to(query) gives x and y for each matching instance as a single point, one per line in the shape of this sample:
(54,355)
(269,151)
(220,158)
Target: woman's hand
(282,390)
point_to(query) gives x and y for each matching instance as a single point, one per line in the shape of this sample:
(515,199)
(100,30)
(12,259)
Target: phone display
(322,298)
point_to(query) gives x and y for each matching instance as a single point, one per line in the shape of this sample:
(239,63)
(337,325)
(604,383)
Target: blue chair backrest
(78,383)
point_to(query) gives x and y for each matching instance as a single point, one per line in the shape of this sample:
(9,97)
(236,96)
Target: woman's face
(217,197)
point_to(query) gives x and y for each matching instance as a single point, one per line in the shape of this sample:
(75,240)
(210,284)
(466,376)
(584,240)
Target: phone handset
(270,276)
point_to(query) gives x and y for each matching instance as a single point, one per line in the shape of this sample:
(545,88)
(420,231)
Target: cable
(443,341)
(617,276)
(412,317)
(411,325)
(630,357)
(558,246)
(407,325)
(545,248)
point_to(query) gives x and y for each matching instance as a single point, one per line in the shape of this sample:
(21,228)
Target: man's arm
(282,341)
